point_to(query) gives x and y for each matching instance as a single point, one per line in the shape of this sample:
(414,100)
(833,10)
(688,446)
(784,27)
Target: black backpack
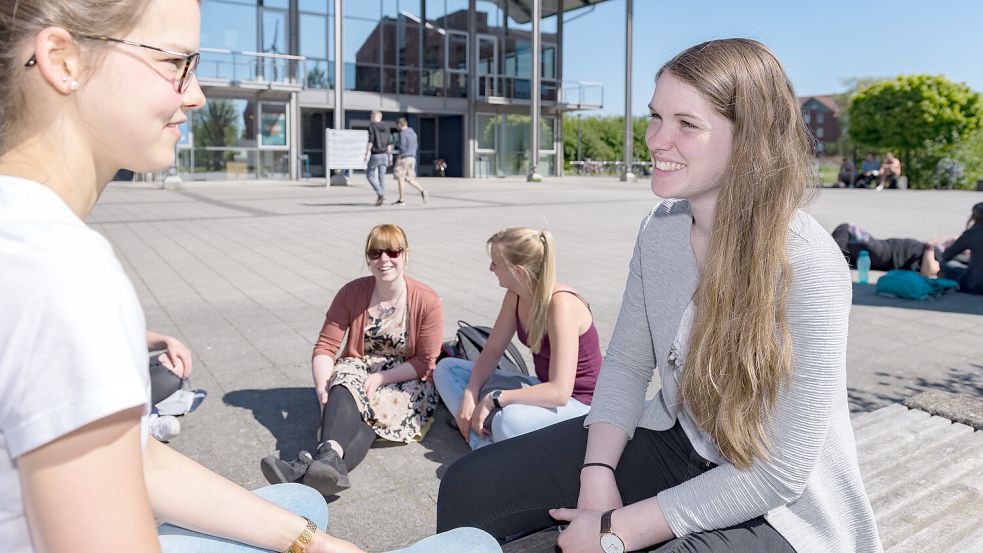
(471,340)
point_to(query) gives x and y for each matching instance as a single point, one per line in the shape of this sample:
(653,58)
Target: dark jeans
(163,382)
(506,488)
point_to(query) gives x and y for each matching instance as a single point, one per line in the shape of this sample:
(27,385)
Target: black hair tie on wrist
(605,465)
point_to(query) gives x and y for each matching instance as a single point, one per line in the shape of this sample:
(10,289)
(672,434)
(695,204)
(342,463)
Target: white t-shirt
(73,345)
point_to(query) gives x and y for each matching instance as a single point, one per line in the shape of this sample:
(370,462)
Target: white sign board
(345,149)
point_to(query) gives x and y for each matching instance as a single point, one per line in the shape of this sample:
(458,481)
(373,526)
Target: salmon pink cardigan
(348,314)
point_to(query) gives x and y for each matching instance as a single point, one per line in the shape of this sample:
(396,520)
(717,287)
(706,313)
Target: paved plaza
(243,272)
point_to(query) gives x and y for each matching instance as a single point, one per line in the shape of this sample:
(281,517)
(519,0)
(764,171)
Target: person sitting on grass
(890,172)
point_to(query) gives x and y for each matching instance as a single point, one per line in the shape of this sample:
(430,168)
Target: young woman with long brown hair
(741,301)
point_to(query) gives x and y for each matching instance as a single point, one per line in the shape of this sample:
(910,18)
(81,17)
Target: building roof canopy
(520,11)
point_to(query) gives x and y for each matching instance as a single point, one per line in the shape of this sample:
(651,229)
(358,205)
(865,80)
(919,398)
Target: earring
(72,84)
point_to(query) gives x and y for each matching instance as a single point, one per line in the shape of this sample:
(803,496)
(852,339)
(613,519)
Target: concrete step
(924,477)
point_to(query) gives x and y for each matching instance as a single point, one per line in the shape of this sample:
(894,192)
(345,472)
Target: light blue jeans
(308,502)
(375,171)
(451,379)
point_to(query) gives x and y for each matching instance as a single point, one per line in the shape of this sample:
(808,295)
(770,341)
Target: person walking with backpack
(553,320)
(406,161)
(378,156)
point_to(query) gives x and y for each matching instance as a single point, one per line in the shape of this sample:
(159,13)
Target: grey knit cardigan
(811,490)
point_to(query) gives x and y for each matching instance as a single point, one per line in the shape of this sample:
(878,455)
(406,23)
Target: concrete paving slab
(243,272)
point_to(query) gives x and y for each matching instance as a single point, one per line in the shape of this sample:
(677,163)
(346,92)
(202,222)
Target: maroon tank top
(588,356)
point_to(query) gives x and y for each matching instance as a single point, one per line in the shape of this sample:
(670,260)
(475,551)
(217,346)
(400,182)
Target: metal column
(627,175)
(339,68)
(470,134)
(339,85)
(537,54)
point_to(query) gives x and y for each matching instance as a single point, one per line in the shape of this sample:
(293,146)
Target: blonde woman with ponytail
(550,318)
(741,302)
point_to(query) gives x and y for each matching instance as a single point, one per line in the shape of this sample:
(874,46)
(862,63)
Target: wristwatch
(494,395)
(610,542)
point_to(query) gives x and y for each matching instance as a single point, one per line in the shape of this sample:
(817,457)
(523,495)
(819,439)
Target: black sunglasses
(375,254)
(186,69)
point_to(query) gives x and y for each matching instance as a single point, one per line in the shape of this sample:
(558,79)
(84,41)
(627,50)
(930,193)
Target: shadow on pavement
(290,414)
(444,445)
(952,302)
(967,381)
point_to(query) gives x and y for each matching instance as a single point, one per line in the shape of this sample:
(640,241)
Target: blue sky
(820,43)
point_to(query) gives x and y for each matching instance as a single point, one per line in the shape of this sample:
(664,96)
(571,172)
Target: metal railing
(235,67)
(582,94)
(515,88)
(608,168)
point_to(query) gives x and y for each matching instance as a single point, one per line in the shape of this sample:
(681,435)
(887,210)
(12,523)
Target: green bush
(921,118)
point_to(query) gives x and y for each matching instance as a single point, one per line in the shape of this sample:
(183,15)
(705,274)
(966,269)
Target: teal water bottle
(863,267)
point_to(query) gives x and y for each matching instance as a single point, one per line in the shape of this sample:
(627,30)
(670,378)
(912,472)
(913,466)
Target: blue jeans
(376,173)
(307,502)
(451,379)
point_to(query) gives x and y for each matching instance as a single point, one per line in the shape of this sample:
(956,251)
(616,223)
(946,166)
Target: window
(820,117)
(820,132)
(228,26)
(273,125)
(457,51)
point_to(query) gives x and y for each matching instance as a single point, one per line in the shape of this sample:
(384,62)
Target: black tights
(342,423)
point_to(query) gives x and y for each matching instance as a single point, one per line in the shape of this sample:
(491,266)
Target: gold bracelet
(305,537)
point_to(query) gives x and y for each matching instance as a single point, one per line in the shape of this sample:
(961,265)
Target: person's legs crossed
(516,419)
(296,498)
(451,379)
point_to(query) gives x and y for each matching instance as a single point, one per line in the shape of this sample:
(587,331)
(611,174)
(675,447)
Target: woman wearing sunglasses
(380,384)
(78,471)
(549,317)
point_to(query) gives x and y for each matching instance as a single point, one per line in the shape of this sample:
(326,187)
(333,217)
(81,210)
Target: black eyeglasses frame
(190,60)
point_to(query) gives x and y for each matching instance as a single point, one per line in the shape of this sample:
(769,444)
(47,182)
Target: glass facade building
(459,70)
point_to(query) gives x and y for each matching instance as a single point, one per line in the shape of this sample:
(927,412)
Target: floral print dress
(400,412)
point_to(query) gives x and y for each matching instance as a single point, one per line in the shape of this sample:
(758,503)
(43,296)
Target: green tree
(601,138)
(215,125)
(921,117)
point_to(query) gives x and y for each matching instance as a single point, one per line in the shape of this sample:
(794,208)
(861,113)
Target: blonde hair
(533,251)
(386,237)
(741,351)
(21,20)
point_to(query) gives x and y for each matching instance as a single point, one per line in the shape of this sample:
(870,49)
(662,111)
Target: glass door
(487,65)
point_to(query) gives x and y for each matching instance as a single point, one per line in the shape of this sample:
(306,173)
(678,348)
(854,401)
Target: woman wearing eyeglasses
(380,384)
(89,88)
